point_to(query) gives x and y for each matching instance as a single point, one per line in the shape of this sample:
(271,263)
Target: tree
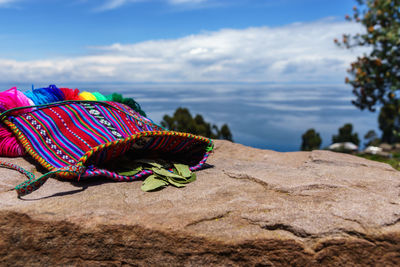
(371,138)
(389,123)
(311,140)
(375,76)
(346,135)
(182,121)
(225,132)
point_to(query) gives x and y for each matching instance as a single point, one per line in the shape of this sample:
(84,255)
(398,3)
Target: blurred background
(275,74)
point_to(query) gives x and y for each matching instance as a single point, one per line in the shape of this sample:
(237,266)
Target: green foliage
(389,123)
(371,138)
(346,135)
(394,161)
(182,121)
(161,177)
(130,102)
(375,76)
(311,140)
(225,132)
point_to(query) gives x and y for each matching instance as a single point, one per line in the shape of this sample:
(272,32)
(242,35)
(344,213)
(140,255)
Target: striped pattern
(80,137)
(62,134)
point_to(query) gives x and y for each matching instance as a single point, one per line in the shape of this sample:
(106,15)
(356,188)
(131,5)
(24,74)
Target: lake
(269,116)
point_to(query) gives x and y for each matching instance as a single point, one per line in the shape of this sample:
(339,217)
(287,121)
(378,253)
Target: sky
(174,41)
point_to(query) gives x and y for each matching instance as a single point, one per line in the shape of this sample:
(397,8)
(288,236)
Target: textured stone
(250,207)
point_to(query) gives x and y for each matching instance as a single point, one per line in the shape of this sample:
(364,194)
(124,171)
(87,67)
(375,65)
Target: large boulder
(249,207)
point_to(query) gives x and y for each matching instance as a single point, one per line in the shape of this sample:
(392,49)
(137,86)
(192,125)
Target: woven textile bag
(75,139)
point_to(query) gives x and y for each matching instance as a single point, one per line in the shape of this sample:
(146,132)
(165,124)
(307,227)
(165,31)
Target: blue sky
(174,40)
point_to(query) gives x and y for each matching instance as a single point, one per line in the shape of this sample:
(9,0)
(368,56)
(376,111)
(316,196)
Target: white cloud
(6,2)
(301,52)
(177,2)
(112,4)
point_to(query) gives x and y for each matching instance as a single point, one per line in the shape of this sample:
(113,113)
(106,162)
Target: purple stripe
(79,125)
(36,143)
(116,124)
(93,123)
(180,146)
(71,117)
(155,142)
(63,142)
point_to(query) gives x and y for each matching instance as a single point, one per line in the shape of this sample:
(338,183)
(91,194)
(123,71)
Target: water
(266,116)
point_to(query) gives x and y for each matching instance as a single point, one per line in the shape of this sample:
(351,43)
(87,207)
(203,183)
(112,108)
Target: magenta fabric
(9,145)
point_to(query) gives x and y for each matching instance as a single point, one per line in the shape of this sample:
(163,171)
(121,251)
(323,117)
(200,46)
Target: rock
(396,148)
(386,147)
(373,150)
(344,146)
(250,207)
(384,154)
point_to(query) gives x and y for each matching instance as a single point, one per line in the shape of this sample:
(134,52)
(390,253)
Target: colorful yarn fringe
(71,94)
(9,145)
(47,95)
(13,98)
(88,96)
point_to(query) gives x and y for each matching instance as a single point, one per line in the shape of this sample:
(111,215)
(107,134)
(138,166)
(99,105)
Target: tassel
(47,95)
(71,94)
(87,96)
(99,96)
(130,102)
(9,145)
(13,98)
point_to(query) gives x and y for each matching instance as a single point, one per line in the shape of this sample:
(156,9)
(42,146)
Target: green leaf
(164,172)
(183,170)
(152,183)
(192,178)
(150,162)
(131,172)
(175,183)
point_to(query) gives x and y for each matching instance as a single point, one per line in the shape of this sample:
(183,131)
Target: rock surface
(250,207)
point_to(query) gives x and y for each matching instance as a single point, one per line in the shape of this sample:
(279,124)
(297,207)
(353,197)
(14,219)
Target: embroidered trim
(48,140)
(97,114)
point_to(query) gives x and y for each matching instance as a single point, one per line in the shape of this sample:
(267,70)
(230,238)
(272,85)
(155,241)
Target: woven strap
(11,166)
(33,184)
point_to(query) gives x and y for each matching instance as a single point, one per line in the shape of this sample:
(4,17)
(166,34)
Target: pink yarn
(13,98)
(9,145)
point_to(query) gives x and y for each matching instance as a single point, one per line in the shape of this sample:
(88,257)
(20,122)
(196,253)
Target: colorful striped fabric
(76,139)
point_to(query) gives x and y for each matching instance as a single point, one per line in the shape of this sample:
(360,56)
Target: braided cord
(33,184)
(17,168)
